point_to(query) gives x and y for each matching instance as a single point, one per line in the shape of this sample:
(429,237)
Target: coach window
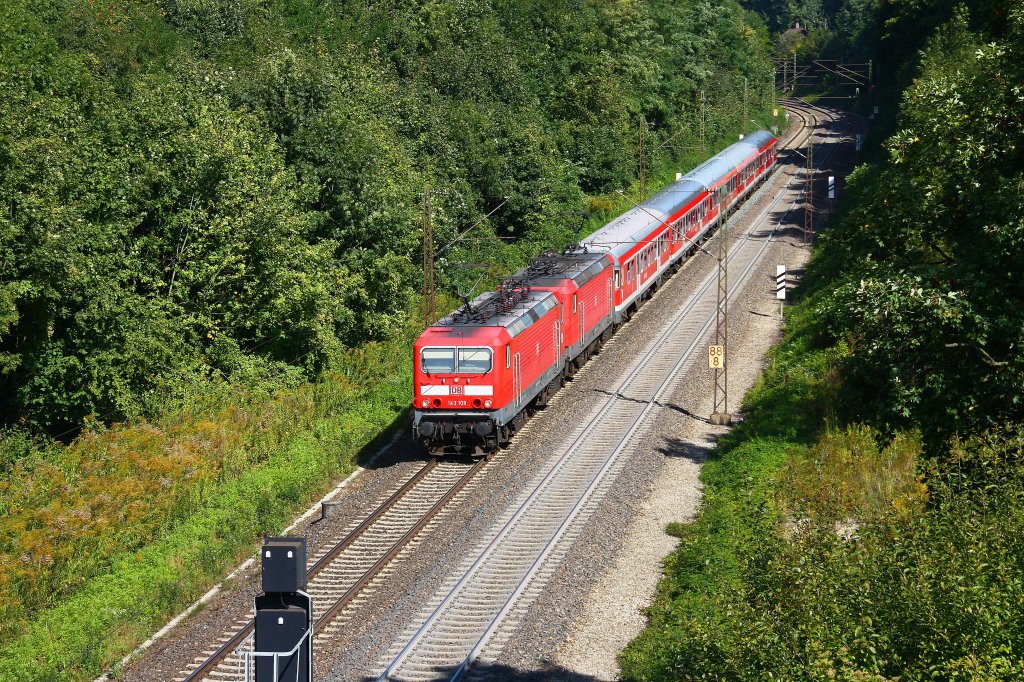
(435,360)
(474,360)
(616,279)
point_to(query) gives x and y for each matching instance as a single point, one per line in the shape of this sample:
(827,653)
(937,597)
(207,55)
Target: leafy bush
(865,482)
(926,261)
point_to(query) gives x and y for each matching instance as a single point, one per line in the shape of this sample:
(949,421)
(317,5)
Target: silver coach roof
(486,311)
(622,233)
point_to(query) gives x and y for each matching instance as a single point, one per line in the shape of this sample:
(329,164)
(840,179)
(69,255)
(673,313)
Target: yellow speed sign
(716,357)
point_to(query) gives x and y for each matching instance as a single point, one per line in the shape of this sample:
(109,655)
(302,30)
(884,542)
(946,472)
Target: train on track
(480,370)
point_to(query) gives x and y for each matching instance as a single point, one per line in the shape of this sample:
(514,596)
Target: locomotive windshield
(474,360)
(436,360)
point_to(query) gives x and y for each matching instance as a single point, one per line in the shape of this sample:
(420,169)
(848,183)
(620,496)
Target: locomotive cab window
(474,360)
(437,360)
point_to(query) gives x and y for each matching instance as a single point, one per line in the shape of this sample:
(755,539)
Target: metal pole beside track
(429,295)
(809,191)
(720,415)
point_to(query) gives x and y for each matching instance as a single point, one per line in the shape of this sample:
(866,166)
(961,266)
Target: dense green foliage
(839,29)
(194,189)
(930,251)
(879,535)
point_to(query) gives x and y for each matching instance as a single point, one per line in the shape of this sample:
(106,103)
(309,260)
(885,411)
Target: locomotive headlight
(426,402)
(487,403)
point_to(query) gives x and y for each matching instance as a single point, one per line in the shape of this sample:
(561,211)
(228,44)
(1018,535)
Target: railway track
(340,575)
(480,605)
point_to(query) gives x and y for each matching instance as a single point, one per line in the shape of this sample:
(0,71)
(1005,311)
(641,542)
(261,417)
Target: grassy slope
(140,589)
(820,553)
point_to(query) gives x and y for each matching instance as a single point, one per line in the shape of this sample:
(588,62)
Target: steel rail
(402,542)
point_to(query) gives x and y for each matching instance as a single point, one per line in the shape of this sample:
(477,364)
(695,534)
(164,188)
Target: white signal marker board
(780,282)
(716,357)
(831,187)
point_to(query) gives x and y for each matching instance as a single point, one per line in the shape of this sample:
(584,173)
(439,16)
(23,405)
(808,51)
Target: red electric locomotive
(477,369)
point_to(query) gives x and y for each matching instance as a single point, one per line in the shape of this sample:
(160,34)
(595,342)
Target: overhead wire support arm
(469,229)
(809,192)
(660,219)
(844,71)
(430,254)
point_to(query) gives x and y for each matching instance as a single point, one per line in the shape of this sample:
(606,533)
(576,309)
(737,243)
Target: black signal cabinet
(280,629)
(284,564)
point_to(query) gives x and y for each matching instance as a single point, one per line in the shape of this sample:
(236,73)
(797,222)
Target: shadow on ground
(493,672)
(401,450)
(687,449)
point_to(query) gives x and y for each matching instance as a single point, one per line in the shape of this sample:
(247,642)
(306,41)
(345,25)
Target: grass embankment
(106,538)
(828,553)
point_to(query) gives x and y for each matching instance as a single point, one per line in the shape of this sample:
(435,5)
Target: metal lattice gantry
(720,414)
(844,80)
